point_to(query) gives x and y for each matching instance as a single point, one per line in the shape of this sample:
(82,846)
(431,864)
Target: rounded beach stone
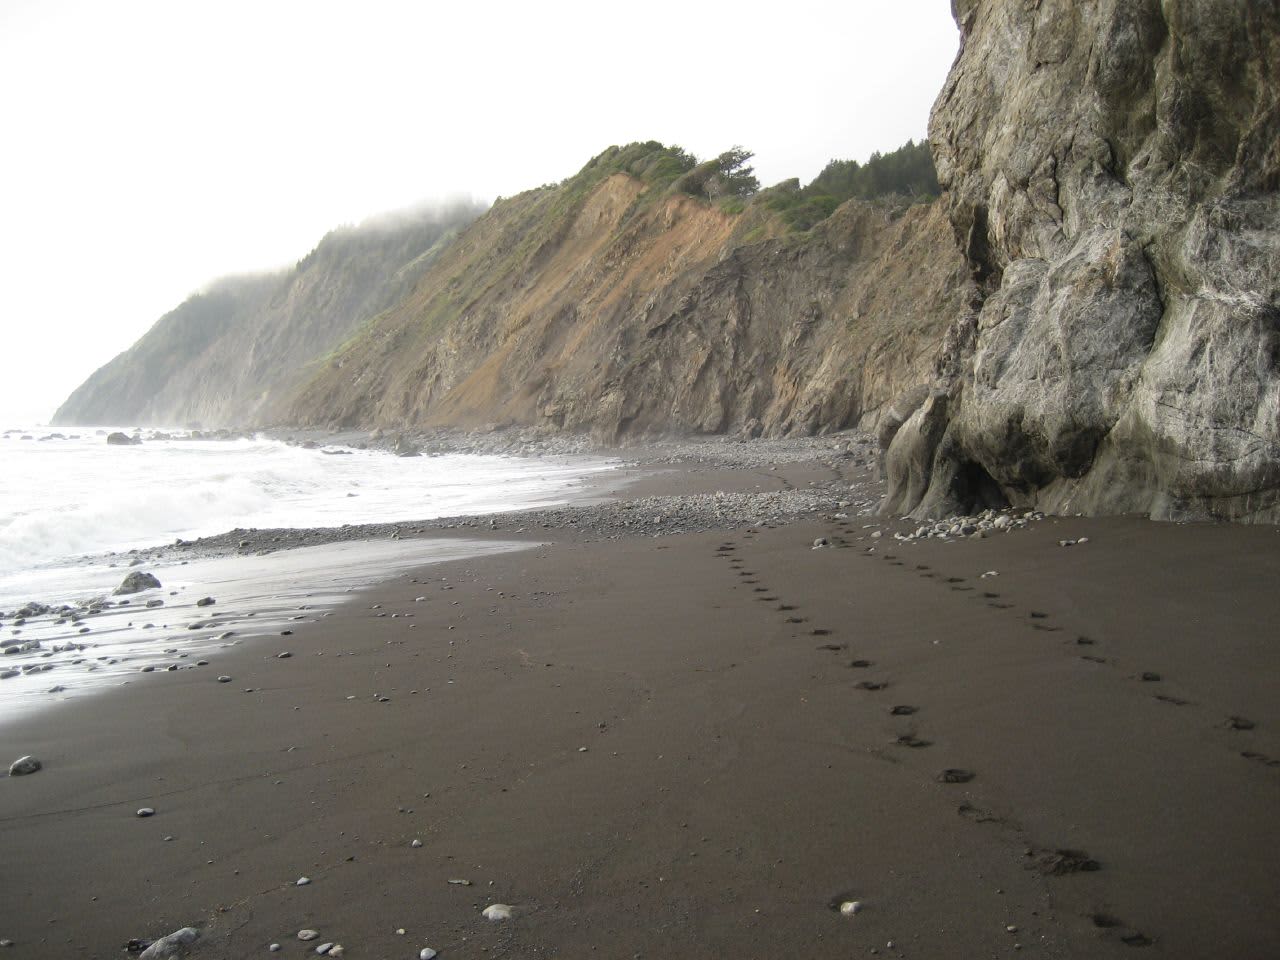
(498,911)
(426,953)
(850,907)
(305,935)
(23,766)
(173,945)
(145,812)
(302,881)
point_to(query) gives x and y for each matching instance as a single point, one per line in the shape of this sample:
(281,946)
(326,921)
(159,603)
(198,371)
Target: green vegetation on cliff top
(727,180)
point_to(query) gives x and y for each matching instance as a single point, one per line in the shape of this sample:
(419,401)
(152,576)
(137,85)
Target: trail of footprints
(1048,862)
(1041,621)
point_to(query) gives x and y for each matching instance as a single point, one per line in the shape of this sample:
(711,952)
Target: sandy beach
(697,746)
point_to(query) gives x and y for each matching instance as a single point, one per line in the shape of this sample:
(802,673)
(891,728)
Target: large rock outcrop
(1112,168)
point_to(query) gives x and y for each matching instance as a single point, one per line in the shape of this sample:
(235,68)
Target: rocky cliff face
(605,309)
(1112,169)
(233,354)
(1088,321)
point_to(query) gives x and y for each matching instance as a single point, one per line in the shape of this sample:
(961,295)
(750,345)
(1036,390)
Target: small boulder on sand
(174,945)
(23,766)
(136,582)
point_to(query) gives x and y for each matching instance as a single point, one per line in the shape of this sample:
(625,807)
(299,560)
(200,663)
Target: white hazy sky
(149,147)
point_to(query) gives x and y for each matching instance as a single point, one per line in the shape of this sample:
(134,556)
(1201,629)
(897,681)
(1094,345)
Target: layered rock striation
(1112,170)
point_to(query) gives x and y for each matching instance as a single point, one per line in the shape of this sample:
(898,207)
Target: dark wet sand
(736,782)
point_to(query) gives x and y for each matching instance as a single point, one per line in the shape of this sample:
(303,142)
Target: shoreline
(683,745)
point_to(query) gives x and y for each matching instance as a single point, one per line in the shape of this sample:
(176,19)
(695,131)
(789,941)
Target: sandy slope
(736,780)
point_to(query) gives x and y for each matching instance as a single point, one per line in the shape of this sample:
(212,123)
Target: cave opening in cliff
(975,490)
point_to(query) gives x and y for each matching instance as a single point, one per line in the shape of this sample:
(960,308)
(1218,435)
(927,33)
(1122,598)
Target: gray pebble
(23,766)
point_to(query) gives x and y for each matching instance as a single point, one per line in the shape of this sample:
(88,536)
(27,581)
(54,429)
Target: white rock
(498,911)
(416,843)
(274,948)
(23,766)
(850,907)
(174,945)
(145,812)
(307,934)
(426,953)
(337,950)
(324,948)
(302,881)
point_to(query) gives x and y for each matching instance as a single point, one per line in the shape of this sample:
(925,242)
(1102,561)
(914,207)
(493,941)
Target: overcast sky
(149,147)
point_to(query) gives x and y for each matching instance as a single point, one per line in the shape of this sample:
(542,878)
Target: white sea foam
(63,499)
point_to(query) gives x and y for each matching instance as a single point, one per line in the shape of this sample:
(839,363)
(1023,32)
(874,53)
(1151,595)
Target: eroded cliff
(607,306)
(1112,169)
(235,353)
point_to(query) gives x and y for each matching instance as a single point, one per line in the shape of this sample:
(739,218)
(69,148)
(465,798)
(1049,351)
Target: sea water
(72,506)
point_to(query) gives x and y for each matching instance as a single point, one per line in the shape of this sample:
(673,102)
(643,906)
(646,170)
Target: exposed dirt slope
(614,311)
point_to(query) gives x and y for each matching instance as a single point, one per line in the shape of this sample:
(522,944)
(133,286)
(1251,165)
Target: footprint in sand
(1061,862)
(833,647)
(977,814)
(860,664)
(872,685)
(786,606)
(767,599)
(955,775)
(819,632)
(1240,723)
(1126,935)
(915,743)
(903,710)
(796,619)
(1260,758)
